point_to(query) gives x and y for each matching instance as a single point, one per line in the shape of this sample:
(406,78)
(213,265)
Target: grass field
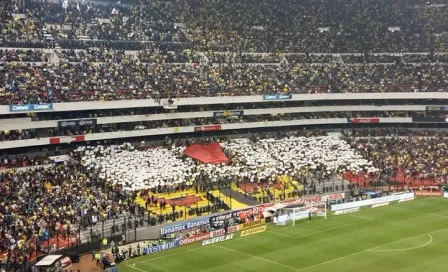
(408,236)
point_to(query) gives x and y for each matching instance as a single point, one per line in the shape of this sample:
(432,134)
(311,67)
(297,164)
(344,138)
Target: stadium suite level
(100,122)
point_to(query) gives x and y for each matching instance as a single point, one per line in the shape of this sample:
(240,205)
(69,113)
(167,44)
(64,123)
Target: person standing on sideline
(98,258)
(309,216)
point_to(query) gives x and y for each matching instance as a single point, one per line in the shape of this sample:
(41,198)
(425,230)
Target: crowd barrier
(134,228)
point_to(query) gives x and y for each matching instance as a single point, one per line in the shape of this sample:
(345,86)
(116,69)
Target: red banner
(365,120)
(68,139)
(207,128)
(220,232)
(428,193)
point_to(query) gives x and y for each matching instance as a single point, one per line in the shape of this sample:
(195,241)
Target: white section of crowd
(144,169)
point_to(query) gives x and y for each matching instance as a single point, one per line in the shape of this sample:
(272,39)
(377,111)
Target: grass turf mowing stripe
(256,257)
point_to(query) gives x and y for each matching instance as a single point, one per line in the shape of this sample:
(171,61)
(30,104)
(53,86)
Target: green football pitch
(408,236)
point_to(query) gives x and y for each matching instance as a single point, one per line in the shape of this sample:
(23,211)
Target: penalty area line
(404,249)
(369,249)
(132,266)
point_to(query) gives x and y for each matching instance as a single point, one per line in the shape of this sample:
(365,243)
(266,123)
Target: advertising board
(228,113)
(253,231)
(371,201)
(162,247)
(77,123)
(207,128)
(351,210)
(184,226)
(217,239)
(277,96)
(365,120)
(251,224)
(31,107)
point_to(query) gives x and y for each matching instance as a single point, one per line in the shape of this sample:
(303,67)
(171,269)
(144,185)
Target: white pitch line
(362,217)
(168,255)
(404,249)
(132,266)
(279,233)
(257,257)
(366,250)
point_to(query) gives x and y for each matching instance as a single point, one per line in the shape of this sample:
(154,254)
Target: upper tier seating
(271,26)
(127,78)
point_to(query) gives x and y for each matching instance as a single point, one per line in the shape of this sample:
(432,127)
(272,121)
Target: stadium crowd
(186,49)
(64,198)
(416,158)
(85,51)
(127,79)
(305,26)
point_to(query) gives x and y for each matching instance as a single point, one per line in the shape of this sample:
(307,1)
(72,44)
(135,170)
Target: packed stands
(110,51)
(383,52)
(171,185)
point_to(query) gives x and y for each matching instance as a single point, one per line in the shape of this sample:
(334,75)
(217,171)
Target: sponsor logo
(380,205)
(237,213)
(365,120)
(162,247)
(222,231)
(221,217)
(77,123)
(277,96)
(227,113)
(207,128)
(193,239)
(253,231)
(204,236)
(334,196)
(217,239)
(184,226)
(252,224)
(31,107)
(428,193)
(352,210)
(315,199)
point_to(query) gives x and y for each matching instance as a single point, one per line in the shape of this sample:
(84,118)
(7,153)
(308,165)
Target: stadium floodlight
(294,214)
